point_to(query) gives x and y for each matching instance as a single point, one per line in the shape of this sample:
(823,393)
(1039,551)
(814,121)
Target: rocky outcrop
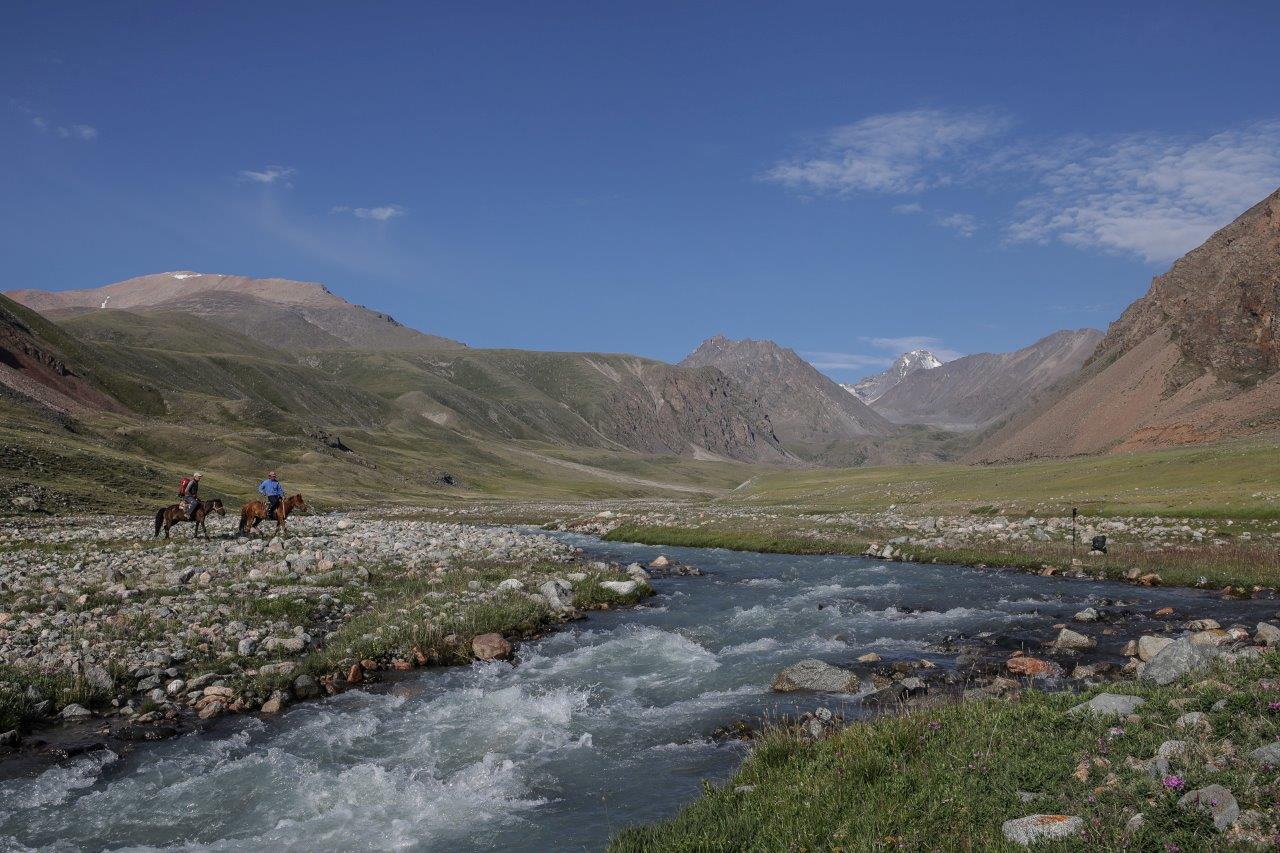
(805,407)
(1194,360)
(978,390)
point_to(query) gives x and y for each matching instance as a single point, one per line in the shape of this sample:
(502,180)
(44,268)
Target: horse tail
(159,521)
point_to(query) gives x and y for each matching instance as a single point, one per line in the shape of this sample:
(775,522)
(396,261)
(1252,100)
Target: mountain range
(103,389)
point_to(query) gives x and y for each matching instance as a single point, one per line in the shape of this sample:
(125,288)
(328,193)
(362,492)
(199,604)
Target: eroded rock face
(816,675)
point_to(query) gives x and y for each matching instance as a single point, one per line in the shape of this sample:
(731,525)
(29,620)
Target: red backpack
(182,487)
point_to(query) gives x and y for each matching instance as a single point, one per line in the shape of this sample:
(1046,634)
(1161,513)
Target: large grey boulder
(1217,802)
(1108,705)
(816,675)
(1268,634)
(1040,827)
(1179,658)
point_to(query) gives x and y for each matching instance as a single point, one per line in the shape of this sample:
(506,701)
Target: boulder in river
(1030,667)
(1073,641)
(1149,646)
(491,647)
(816,675)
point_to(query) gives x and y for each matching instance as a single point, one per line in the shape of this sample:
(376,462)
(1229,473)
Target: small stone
(1267,634)
(1193,720)
(1108,705)
(491,647)
(1149,646)
(1073,641)
(1089,614)
(620,587)
(276,703)
(75,712)
(1030,667)
(1266,756)
(1135,823)
(816,675)
(1038,827)
(306,687)
(10,738)
(660,562)
(1203,625)
(1217,802)
(870,657)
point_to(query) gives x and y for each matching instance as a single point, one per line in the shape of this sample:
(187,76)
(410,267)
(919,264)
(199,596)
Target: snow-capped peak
(874,387)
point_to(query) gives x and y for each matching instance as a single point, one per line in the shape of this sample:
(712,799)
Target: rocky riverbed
(98,622)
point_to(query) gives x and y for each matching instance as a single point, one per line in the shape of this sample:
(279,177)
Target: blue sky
(849,179)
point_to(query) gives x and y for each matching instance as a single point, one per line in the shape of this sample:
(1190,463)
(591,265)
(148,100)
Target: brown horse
(255,511)
(168,516)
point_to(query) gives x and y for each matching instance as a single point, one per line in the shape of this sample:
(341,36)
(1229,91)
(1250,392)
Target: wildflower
(935,725)
(1273,706)
(1174,783)
(1115,732)
(1170,847)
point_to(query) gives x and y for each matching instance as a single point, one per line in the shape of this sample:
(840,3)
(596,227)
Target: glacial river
(601,725)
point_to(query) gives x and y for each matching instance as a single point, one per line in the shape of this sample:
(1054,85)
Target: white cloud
(964,224)
(269,175)
(893,347)
(846,360)
(40,123)
(895,153)
(382,214)
(1150,195)
(80,131)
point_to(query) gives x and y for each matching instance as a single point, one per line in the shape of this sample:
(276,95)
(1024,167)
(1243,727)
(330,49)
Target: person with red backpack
(189,491)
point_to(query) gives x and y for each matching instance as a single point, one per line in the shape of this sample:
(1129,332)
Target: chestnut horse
(255,511)
(168,516)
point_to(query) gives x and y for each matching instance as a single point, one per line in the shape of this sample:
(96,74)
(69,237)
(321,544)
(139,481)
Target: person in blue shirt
(273,491)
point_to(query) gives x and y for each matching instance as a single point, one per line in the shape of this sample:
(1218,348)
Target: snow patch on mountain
(870,389)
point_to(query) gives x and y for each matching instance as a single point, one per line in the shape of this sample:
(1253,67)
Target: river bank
(127,639)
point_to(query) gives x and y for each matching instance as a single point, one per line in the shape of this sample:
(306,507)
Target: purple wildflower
(1174,783)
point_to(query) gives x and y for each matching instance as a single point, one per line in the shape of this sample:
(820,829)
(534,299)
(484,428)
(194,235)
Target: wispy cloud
(911,342)
(964,224)
(1152,195)
(893,153)
(381,214)
(82,132)
(846,360)
(268,175)
(863,363)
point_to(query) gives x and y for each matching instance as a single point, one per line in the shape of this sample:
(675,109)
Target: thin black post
(1073,532)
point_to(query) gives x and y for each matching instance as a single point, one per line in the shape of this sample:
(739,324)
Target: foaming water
(599,726)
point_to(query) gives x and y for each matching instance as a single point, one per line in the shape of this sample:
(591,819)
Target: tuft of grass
(947,778)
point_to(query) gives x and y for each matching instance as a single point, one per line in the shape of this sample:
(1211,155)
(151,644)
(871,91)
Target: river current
(599,726)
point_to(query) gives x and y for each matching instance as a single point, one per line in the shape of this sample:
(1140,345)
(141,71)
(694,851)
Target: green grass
(17,708)
(733,540)
(947,778)
(1237,479)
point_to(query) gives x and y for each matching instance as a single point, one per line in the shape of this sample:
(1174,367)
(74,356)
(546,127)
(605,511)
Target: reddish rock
(491,647)
(401,665)
(1032,667)
(1163,611)
(355,675)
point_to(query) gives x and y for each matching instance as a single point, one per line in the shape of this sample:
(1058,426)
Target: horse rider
(189,491)
(273,491)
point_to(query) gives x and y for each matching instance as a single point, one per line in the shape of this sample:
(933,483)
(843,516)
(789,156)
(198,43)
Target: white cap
(197,475)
